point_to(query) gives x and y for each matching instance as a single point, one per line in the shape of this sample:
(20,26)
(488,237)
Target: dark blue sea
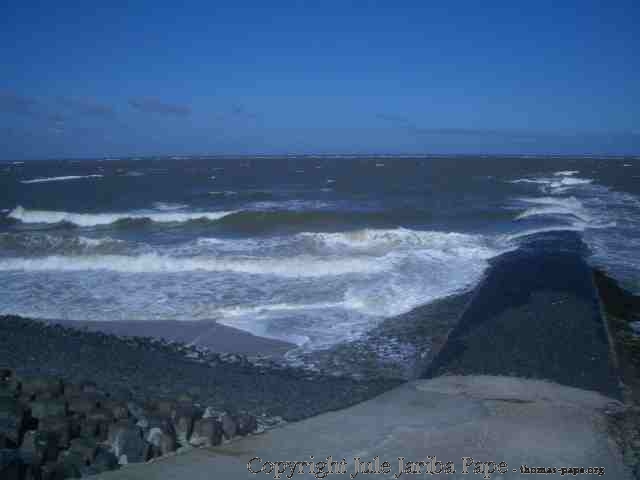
(315,250)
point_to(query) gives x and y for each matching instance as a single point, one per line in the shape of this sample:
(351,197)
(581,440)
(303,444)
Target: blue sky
(144,78)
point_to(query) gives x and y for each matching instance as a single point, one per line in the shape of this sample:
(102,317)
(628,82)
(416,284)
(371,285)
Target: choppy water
(314,250)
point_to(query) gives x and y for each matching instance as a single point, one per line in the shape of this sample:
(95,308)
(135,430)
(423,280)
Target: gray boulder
(71,464)
(82,403)
(183,420)
(46,387)
(60,426)
(127,443)
(206,432)
(12,417)
(162,443)
(229,427)
(103,462)
(118,409)
(9,384)
(246,424)
(11,465)
(165,407)
(96,423)
(48,408)
(86,448)
(54,471)
(39,448)
(138,411)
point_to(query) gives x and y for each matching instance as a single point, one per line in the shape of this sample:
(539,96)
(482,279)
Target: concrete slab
(491,419)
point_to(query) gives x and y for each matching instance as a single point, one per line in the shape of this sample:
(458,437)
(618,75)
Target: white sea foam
(169,207)
(293,267)
(446,242)
(556,206)
(95,219)
(257,310)
(576,227)
(569,182)
(561,182)
(97,242)
(38,243)
(530,180)
(61,179)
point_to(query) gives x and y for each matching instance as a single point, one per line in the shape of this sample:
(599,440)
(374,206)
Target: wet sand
(214,336)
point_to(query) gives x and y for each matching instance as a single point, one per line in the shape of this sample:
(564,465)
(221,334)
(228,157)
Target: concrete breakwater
(535,315)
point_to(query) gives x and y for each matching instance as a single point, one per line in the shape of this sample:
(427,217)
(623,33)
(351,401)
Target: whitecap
(555,206)
(292,267)
(240,311)
(388,239)
(60,179)
(530,180)
(95,219)
(169,207)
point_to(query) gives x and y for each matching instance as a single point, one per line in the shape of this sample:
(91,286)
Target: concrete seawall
(535,315)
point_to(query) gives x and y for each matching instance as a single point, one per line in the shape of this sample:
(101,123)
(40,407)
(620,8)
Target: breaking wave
(556,206)
(302,266)
(60,179)
(445,242)
(43,243)
(96,219)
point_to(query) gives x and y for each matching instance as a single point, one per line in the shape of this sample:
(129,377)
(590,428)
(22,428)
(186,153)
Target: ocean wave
(257,310)
(559,183)
(29,243)
(60,179)
(556,206)
(530,180)
(535,231)
(366,239)
(263,217)
(96,219)
(276,220)
(169,207)
(292,267)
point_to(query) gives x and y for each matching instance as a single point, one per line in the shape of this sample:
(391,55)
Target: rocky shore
(51,429)
(75,402)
